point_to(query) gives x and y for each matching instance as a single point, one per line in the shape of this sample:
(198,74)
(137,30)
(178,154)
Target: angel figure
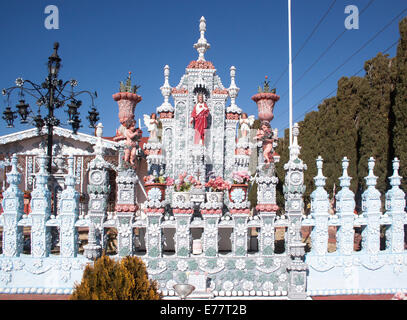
(151,123)
(132,136)
(266,136)
(245,124)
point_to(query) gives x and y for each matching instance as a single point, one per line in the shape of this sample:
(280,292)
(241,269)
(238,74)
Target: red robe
(201,123)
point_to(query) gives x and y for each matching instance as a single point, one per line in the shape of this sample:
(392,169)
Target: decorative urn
(127,100)
(265,100)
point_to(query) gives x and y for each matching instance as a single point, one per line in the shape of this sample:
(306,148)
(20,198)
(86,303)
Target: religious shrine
(179,199)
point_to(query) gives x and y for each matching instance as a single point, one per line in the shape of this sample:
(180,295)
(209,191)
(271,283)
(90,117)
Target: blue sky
(101,41)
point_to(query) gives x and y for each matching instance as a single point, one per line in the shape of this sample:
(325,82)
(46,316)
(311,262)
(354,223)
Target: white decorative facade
(216,240)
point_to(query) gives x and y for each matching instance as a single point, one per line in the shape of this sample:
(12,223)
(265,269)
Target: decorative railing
(200,241)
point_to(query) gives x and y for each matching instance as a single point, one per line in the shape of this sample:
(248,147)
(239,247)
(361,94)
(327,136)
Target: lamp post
(52,94)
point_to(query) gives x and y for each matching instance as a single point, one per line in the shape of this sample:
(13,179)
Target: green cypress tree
(399,115)
(108,279)
(376,102)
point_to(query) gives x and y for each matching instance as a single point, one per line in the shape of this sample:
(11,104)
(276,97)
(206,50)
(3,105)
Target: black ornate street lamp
(51,94)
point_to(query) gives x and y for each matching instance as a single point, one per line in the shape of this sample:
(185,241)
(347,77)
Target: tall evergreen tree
(399,115)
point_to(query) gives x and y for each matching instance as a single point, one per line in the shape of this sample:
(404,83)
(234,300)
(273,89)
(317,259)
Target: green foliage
(399,111)
(127,87)
(367,118)
(108,279)
(266,88)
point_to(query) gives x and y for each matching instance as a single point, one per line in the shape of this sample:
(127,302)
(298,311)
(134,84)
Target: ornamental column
(395,208)
(13,210)
(371,204)
(69,211)
(98,190)
(320,213)
(293,192)
(345,204)
(41,211)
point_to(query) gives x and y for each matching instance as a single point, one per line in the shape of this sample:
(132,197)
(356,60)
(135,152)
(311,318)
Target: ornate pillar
(371,204)
(210,235)
(230,145)
(293,191)
(395,208)
(154,234)
(69,211)
(240,234)
(98,190)
(267,234)
(41,211)
(345,206)
(183,235)
(320,213)
(13,209)
(126,207)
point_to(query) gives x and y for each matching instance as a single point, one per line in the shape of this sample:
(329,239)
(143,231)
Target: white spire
(202,45)
(166,92)
(233,90)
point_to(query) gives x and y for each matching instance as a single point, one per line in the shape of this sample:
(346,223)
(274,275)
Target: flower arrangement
(217,185)
(240,177)
(184,183)
(151,179)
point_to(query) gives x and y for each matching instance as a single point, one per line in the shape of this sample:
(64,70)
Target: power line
(332,92)
(350,57)
(325,51)
(308,39)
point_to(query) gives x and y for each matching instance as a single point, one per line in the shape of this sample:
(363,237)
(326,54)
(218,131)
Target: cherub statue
(151,123)
(245,124)
(131,134)
(266,135)
(132,137)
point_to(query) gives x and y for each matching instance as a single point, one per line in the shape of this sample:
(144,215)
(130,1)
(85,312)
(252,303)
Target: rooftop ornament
(52,94)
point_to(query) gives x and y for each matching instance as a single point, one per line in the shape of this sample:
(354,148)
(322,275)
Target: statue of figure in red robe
(200,115)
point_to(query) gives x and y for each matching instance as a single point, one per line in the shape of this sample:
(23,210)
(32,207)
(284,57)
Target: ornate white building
(183,204)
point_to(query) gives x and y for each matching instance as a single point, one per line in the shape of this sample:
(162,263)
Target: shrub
(108,279)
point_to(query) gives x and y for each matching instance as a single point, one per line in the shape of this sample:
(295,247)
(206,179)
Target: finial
(395,179)
(99,130)
(233,89)
(371,179)
(320,179)
(166,75)
(345,179)
(320,162)
(14,162)
(166,92)
(295,148)
(202,45)
(396,166)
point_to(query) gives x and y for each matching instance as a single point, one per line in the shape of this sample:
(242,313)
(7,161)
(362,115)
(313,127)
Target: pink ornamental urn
(265,101)
(127,100)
